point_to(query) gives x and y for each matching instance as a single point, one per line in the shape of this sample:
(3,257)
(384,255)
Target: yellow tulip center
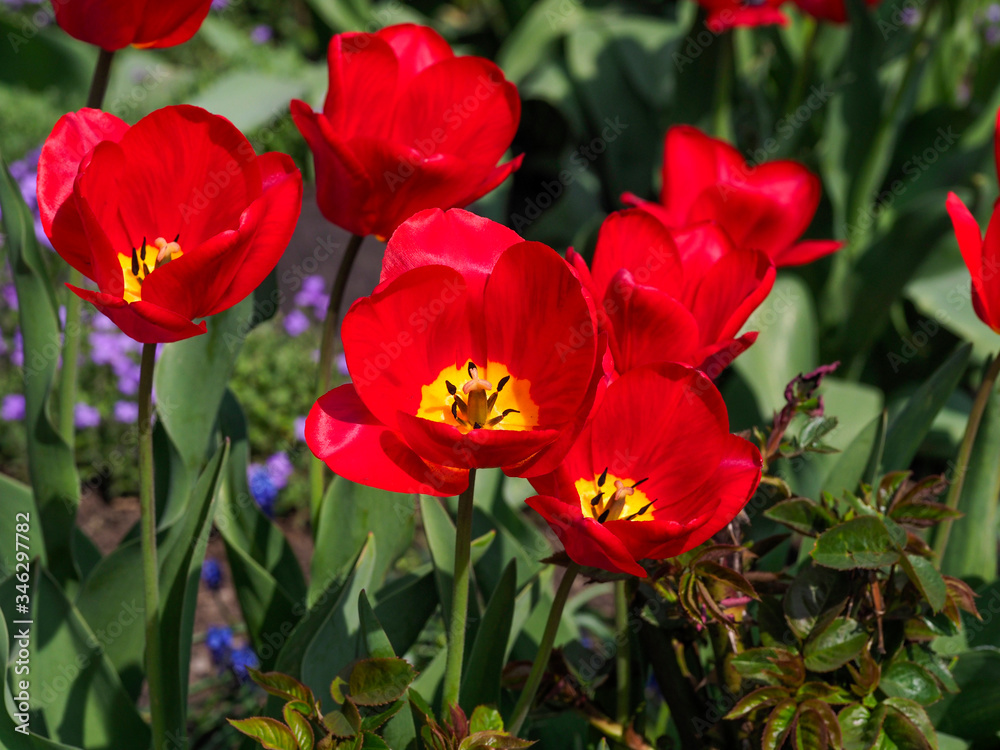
(474,399)
(610,498)
(143,261)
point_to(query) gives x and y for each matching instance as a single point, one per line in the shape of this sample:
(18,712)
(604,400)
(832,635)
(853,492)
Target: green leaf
(17,500)
(498,740)
(376,643)
(911,424)
(376,682)
(916,715)
(483,668)
(485,719)
(904,679)
(835,645)
(904,733)
(778,724)
(757,699)
(282,686)
(860,728)
(51,464)
(926,578)
(849,470)
(249,99)
(348,514)
(373,722)
(301,728)
(814,598)
(270,733)
(405,606)
(810,732)
(972,713)
(803,515)
(863,542)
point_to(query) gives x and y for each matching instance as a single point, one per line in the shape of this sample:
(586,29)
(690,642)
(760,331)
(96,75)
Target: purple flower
(17,355)
(12,407)
(300,429)
(219,640)
(910,16)
(296,323)
(211,573)
(220,4)
(243,659)
(993,36)
(993,13)
(313,295)
(126,412)
(103,323)
(262,488)
(340,359)
(85,415)
(9,296)
(280,468)
(261,34)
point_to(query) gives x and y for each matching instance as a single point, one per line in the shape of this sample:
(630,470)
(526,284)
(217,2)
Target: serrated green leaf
(916,715)
(904,679)
(814,598)
(757,699)
(485,719)
(283,686)
(270,733)
(834,646)
(778,724)
(300,727)
(863,542)
(926,578)
(803,515)
(376,682)
(860,727)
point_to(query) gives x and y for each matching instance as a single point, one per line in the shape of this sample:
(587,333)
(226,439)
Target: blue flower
(243,659)
(211,573)
(219,640)
(262,487)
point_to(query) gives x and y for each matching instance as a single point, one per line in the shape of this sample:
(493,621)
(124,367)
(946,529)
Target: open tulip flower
(679,295)
(174,218)
(763,207)
(731,14)
(981,255)
(654,474)
(406,126)
(477,349)
(114,24)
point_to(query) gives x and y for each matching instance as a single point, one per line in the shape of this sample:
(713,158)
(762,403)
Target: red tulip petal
(635,240)
(718,356)
(72,140)
(342,183)
(645,539)
(446,445)
(666,422)
(647,325)
(461,240)
(539,326)
(167,24)
(342,433)
(806,252)
(729,488)
(186,171)
(989,271)
(361,100)
(104,23)
(664,216)
(416,48)
(730,291)
(700,246)
(492,181)
(692,163)
(142,321)
(222,271)
(401,338)
(969,236)
(464,107)
(743,17)
(586,541)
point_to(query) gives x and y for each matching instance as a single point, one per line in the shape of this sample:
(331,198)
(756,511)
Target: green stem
(622,660)
(74,305)
(150,568)
(676,688)
(541,662)
(459,595)
(326,351)
(804,71)
(965,452)
(723,110)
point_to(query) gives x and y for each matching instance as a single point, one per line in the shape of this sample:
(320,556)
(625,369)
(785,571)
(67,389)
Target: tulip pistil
(624,502)
(143,261)
(477,407)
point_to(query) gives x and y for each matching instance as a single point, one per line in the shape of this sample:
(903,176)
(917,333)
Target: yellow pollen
(143,261)
(464,398)
(610,498)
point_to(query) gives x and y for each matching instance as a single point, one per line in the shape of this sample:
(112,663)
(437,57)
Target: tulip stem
(965,453)
(622,654)
(541,662)
(74,305)
(459,595)
(316,468)
(804,70)
(150,569)
(723,109)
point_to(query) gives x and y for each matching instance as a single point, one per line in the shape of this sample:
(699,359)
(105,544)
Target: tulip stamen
(477,408)
(603,478)
(639,512)
(618,501)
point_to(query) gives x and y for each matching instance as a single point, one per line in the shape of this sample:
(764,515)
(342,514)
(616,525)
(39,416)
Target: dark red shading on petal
(539,325)
(72,140)
(970,242)
(732,289)
(635,240)
(586,541)
(717,357)
(167,24)
(363,72)
(806,252)
(402,336)
(745,17)
(444,444)
(342,433)
(145,322)
(461,240)
(113,24)
(492,181)
(989,271)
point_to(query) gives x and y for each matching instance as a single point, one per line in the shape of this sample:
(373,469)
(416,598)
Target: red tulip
(834,11)
(731,14)
(654,474)
(174,218)
(406,126)
(492,362)
(981,256)
(678,296)
(764,207)
(114,24)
